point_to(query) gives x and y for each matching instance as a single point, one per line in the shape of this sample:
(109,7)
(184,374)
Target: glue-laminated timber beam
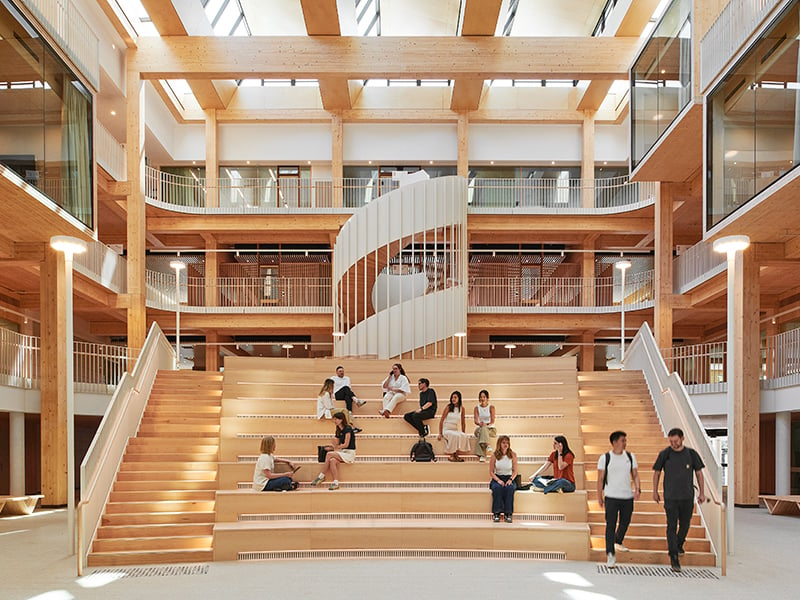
(480,19)
(168,22)
(476,57)
(567,223)
(494,322)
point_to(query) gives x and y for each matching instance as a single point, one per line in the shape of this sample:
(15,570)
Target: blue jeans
(553,485)
(502,496)
(277,484)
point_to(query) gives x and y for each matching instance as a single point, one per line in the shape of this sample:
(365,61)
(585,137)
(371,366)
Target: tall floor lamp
(622,265)
(70,246)
(178,266)
(732,246)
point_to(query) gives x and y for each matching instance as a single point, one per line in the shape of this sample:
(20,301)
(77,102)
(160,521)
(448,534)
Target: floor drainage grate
(155,571)
(367,554)
(656,571)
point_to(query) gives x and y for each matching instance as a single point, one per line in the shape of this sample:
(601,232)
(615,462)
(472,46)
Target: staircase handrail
(673,406)
(120,421)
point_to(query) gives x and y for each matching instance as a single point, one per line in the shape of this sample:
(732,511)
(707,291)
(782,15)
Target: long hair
(327,386)
(485,392)
(344,417)
(450,404)
(399,366)
(564,445)
(267,444)
(498,453)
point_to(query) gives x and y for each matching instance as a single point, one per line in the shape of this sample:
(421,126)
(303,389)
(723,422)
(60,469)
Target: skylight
(138,18)
(226,17)
(368,17)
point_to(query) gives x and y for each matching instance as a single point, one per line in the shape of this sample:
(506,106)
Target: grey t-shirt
(679,468)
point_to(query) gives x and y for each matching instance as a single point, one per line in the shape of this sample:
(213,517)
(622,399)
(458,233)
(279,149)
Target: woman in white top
(483,416)
(325,400)
(265,479)
(395,389)
(451,429)
(503,470)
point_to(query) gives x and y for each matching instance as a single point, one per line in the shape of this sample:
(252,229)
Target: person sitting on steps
(395,389)
(483,417)
(427,408)
(451,429)
(265,479)
(561,459)
(343,450)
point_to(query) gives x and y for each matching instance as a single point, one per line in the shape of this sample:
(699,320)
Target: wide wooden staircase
(387,505)
(615,400)
(161,508)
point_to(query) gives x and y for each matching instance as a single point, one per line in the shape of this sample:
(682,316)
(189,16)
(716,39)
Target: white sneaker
(620,548)
(481,459)
(488,449)
(611,561)
(359,401)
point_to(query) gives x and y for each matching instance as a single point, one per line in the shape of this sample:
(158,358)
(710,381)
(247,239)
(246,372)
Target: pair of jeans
(347,395)
(502,496)
(278,484)
(679,519)
(615,533)
(416,419)
(553,485)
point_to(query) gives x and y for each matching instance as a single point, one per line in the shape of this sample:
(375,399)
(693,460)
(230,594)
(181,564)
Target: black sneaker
(508,519)
(674,564)
(496,517)
(427,431)
(681,551)
(357,430)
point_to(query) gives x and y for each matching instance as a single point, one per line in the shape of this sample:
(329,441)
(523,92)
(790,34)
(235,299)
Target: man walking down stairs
(161,508)
(611,400)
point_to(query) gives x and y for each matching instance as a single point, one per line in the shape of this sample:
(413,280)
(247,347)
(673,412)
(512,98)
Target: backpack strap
(608,460)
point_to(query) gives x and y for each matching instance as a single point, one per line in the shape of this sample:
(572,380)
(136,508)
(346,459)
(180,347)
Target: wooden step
(655,543)
(150,518)
(159,506)
(167,475)
(640,517)
(165,484)
(654,557)
(112,559)
(143,544)
(159,495)
(259,536)
(156,530)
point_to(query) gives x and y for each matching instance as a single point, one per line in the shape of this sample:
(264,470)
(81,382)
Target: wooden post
(587,160)
(54,379)
(212,351)
(745,377)
(211,271)
(212,160)
(462,170)
(337,158)
(587,352)
(136,227)
(663,267)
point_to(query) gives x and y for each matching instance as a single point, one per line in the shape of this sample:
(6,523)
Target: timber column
(53,357)
(136,226)
(212,160)
(462,169)
(337,159)
(663,267)
(587,160)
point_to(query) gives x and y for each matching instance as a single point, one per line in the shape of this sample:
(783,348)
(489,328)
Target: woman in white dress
(452,428)
(325,400)
(395,389)
(484,417)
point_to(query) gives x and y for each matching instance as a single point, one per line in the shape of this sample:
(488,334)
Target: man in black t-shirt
(427,408)
(679,464)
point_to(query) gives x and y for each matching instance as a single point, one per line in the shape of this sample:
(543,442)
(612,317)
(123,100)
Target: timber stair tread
(132,557)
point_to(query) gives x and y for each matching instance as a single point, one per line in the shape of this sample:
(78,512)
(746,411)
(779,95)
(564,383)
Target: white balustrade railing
(568,293)
(101,264)
(271,291)
(74,35)
(782,359)
(701,367)
(291,194)
(488,195)
(731,29)
(19,360)
(97,367)
(695,266)
(110,153)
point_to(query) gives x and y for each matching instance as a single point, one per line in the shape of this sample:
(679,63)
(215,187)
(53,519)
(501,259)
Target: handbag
(322,452)
(521,486)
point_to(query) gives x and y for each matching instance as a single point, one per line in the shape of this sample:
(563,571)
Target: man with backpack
(615,471)
(680,465)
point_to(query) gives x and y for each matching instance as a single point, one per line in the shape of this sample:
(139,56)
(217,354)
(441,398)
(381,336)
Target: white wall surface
(275,143)
(400,142)
(520,144)
(611,143)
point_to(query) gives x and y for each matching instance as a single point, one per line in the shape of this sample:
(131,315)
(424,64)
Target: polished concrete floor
(35,564)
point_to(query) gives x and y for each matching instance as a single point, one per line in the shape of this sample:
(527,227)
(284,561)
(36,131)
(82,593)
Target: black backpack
(422,451)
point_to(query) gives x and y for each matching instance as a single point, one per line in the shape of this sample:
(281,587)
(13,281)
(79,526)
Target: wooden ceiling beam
(480,19)
(476,57)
